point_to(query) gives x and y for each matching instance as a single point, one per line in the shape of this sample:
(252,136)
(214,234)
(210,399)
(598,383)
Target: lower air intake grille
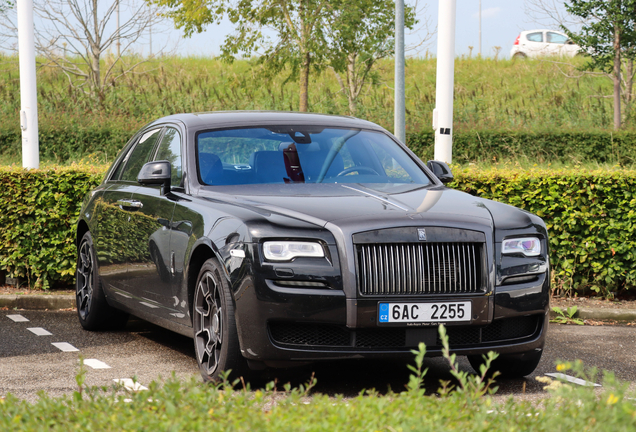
(309,334)
(325,335)
(420,268)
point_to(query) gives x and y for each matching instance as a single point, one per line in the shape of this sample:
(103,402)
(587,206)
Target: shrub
(68,141)
(590,217)
(37,221)
(589,214)
(533,147)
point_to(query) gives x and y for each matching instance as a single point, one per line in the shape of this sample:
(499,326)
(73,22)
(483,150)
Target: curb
(603,314)
(67,301)
(36,301)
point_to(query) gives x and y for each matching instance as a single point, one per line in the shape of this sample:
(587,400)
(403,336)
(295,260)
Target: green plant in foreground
(472,386)
(566,316)
(175,405)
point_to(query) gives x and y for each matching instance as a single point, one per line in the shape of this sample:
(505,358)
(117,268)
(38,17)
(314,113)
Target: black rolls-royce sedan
(276,239)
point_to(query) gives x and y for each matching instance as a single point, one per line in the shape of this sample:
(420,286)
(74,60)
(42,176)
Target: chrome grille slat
(419,268)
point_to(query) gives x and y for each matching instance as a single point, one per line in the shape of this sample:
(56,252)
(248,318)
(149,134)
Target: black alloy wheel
(84,278)
(92,309)
(215,335)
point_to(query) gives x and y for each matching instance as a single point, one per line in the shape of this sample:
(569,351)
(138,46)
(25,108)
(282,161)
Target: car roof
(218,119)
(543,30)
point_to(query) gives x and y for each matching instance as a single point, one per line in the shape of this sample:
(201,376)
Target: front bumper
(297,324)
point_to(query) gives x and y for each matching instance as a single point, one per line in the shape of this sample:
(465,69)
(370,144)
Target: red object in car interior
(517,40)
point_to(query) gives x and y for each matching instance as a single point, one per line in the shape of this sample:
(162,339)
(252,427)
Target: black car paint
(221,219)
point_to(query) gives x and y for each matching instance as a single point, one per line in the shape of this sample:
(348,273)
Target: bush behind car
(589,214)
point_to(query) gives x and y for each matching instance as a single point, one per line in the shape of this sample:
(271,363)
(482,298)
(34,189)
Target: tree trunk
(617,76)
(304,83)
(95,45)
(628,79)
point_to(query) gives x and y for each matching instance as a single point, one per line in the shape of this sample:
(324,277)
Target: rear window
(535,37)
(285,155)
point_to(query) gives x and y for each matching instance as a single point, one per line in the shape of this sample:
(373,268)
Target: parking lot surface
(40,351)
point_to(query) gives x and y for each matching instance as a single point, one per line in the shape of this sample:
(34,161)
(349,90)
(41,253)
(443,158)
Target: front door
(152,277)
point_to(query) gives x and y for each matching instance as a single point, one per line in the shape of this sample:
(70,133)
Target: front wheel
(92,309)
(510,365)
(215,335)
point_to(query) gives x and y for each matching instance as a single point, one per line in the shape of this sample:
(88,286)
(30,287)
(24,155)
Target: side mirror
(157,172)
(441,170)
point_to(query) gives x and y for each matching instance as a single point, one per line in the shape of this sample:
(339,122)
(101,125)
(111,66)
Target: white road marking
(572,379)
(130,384)
(17,318)
(64,346)
(96,364)
(39,331)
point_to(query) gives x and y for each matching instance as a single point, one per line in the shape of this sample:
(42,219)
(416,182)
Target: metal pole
(399,111)
(150,29)
(28,86)
(479,28)
(443,113)
(118,42)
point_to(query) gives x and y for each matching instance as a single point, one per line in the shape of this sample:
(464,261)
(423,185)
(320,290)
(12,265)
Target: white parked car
(540,43)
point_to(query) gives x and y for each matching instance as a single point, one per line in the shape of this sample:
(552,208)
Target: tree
(297,25)
(358,36)
(605,31)
(607,35)
(5,5)
(75,35)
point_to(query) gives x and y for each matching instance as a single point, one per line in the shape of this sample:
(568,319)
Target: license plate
(424,312)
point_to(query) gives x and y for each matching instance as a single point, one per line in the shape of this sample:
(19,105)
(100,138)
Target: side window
(120,166)
(557,38)
(140,155)
(535,37)
(170,150)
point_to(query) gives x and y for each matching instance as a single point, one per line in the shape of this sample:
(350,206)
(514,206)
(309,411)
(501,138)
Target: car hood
(351,202)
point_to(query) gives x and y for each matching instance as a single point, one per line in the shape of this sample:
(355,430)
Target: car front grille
(420,268)
(324,335)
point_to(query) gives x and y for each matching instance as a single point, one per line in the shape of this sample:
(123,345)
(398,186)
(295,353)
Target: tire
(216,340)
(92,309)
(519,56)
(510,365)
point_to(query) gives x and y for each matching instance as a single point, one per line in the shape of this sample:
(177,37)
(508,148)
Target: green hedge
(534,147)
(69,142)
(589,214)
(590,217)
(73,141)
(37,221)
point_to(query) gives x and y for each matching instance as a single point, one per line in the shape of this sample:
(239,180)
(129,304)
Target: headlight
(287,250)
(529,246)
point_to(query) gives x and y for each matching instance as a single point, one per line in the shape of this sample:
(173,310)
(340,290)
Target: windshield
(285,155)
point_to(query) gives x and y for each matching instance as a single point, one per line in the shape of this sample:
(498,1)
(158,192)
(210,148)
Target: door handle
(129,203)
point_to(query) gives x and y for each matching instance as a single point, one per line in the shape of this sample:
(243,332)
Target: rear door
(534,45)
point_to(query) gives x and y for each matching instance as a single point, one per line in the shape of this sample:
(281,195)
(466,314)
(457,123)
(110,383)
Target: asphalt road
(30,363)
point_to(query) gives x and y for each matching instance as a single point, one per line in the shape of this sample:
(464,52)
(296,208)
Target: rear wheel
(92,309)
(519,56)
(215,335)
(510,365)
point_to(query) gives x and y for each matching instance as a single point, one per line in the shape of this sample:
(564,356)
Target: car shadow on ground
(347,378)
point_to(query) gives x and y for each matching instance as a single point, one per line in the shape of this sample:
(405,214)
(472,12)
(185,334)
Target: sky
(502,21)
